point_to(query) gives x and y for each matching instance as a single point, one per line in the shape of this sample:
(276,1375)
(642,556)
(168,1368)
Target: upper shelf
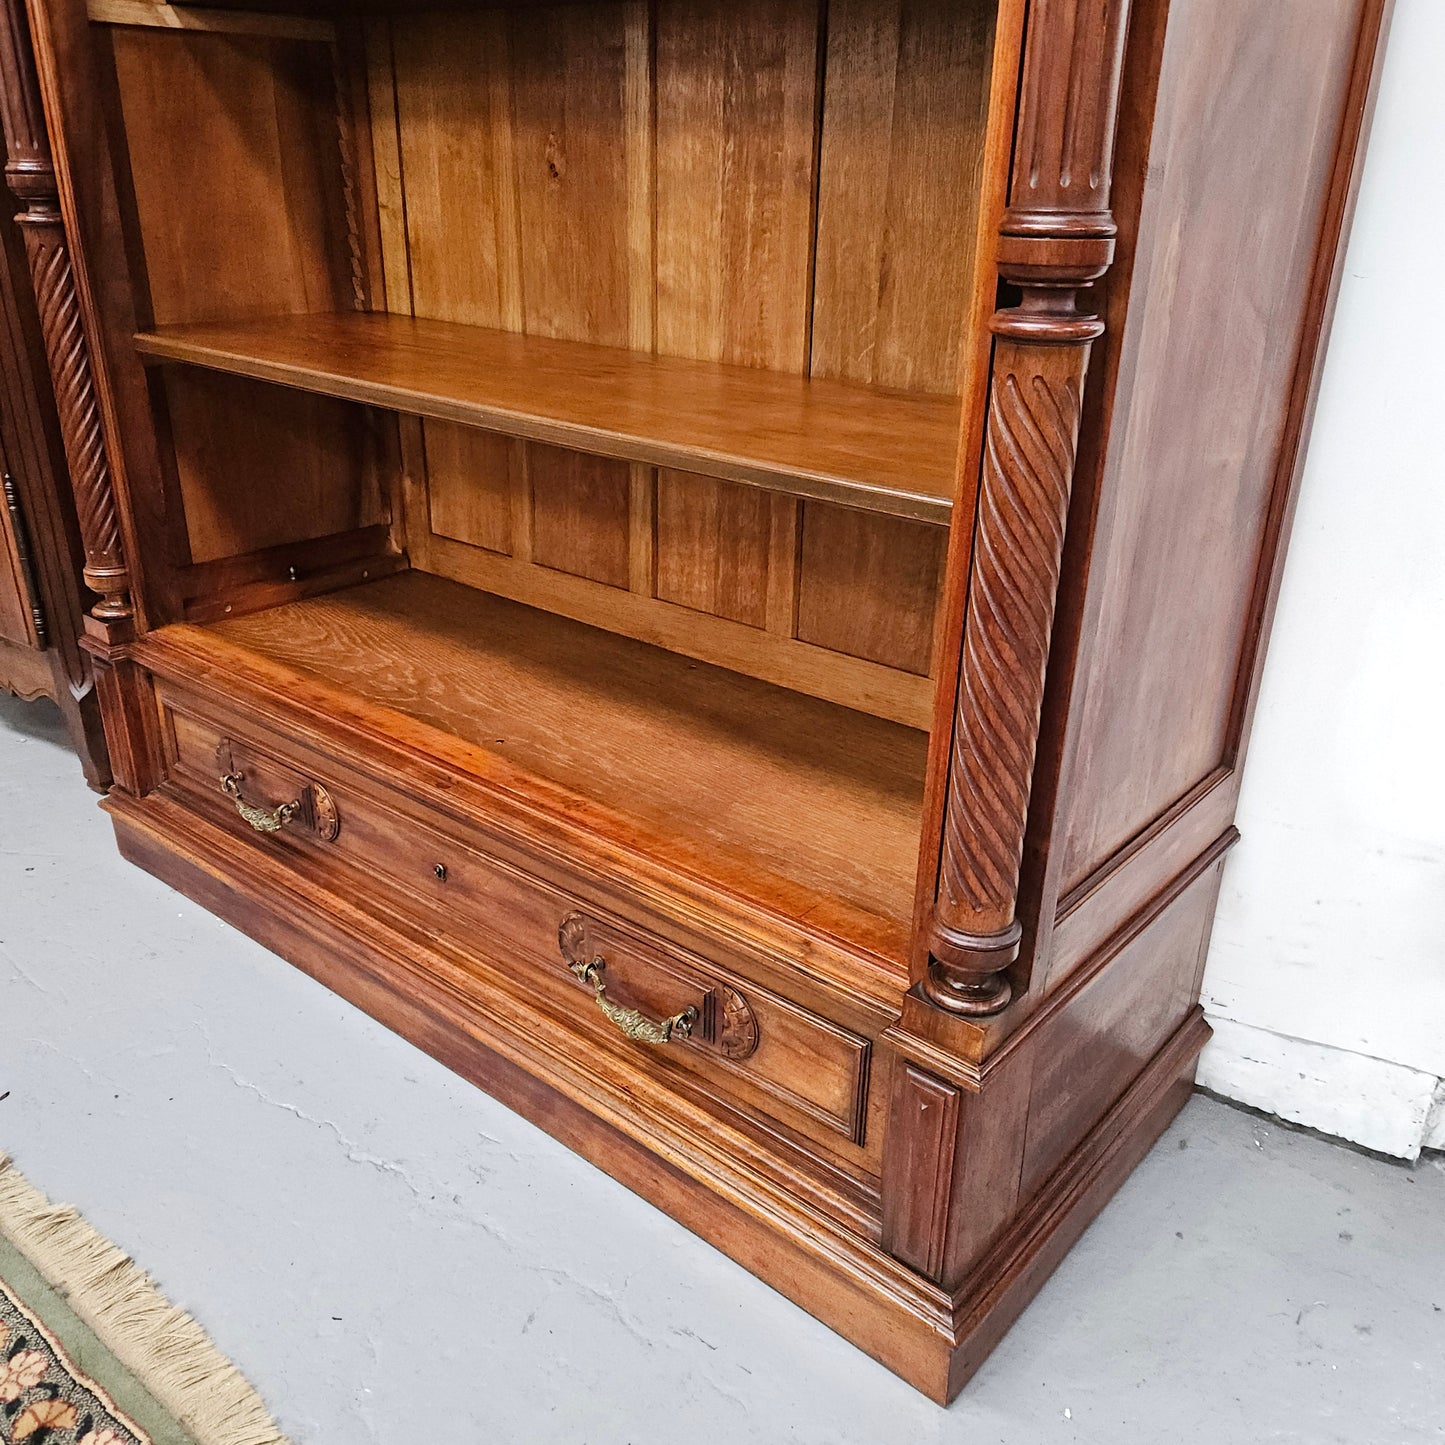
(883,451)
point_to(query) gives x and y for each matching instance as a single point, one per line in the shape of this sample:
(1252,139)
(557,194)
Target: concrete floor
(392,1257)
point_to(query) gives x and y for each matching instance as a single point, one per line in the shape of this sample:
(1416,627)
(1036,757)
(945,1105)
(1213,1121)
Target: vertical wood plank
(569,91)
(454,184)
(640,166)
(736,99)
(511,305)
(904,113)
(386,159)
(519,457)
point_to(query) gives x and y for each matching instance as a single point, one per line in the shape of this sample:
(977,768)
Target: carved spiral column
(1057,239)
(30,173)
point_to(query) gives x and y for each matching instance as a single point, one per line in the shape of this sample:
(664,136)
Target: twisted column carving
(346,142)
(1057,239)
(30,174)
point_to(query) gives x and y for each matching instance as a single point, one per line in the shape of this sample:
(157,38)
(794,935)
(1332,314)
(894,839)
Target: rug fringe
(162,1345)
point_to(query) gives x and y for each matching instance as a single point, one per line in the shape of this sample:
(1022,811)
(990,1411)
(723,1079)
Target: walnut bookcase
(708,562)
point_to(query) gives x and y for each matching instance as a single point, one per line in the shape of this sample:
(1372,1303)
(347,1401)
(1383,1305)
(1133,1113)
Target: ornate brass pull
(632,1023)
(263,820)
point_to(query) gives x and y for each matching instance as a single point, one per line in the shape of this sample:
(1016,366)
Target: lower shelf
(803,806)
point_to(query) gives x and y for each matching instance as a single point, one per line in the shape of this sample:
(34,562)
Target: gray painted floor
(394,1258)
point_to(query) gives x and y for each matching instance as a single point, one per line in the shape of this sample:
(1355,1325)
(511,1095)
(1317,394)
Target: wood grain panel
(308,472)
(923,1135)
(235,156)
(1221,284)
(580,509)
(869,585)
(713,543)
(470,482)
(776,783)
(453,104)
(1100,1041)
(569,81)
(736,94)
(521,135)
(900,170)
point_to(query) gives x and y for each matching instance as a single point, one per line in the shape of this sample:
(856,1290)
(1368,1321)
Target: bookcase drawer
(621,990)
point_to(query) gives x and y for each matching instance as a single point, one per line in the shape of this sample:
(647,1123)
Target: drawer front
(616,984)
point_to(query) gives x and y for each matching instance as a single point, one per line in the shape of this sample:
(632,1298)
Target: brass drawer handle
(263,820)
(632,1023)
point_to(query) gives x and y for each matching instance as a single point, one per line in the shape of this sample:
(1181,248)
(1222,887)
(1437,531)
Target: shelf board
(804,807)
(882,451)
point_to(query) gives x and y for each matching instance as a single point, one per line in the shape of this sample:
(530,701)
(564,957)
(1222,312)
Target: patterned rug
(92,1354)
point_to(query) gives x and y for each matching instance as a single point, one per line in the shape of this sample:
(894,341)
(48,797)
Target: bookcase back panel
(824,599)
(737,93)
(579,513)
(759,183)
(472,478)
(511,153)
(749,182)
(779,184)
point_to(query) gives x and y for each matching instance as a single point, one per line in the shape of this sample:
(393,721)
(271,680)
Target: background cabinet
(41,592)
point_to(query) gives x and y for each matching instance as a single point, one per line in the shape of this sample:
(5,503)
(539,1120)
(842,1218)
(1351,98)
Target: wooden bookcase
(708,562)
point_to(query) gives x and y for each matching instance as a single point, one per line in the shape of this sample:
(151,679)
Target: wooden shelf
(809,808)
(878,450)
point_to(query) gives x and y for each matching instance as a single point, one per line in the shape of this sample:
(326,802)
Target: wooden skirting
(25,672)
(933,1339)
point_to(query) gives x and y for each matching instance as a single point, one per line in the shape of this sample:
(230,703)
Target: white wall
(1326,979)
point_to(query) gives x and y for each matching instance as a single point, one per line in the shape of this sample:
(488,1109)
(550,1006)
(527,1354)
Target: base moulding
(933,1339)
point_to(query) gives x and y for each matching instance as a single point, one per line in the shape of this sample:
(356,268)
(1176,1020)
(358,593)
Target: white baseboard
(1383,1106)
(1435,1124)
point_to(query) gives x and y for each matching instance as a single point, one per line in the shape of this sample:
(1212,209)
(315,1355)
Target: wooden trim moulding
(933,1338)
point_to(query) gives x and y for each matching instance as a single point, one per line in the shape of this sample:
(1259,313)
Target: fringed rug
(92,1354)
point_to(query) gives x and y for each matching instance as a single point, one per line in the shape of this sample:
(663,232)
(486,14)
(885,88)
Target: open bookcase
(581,307)
(579,498)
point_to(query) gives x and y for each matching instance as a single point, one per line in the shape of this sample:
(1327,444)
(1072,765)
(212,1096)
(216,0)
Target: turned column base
(967,971)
